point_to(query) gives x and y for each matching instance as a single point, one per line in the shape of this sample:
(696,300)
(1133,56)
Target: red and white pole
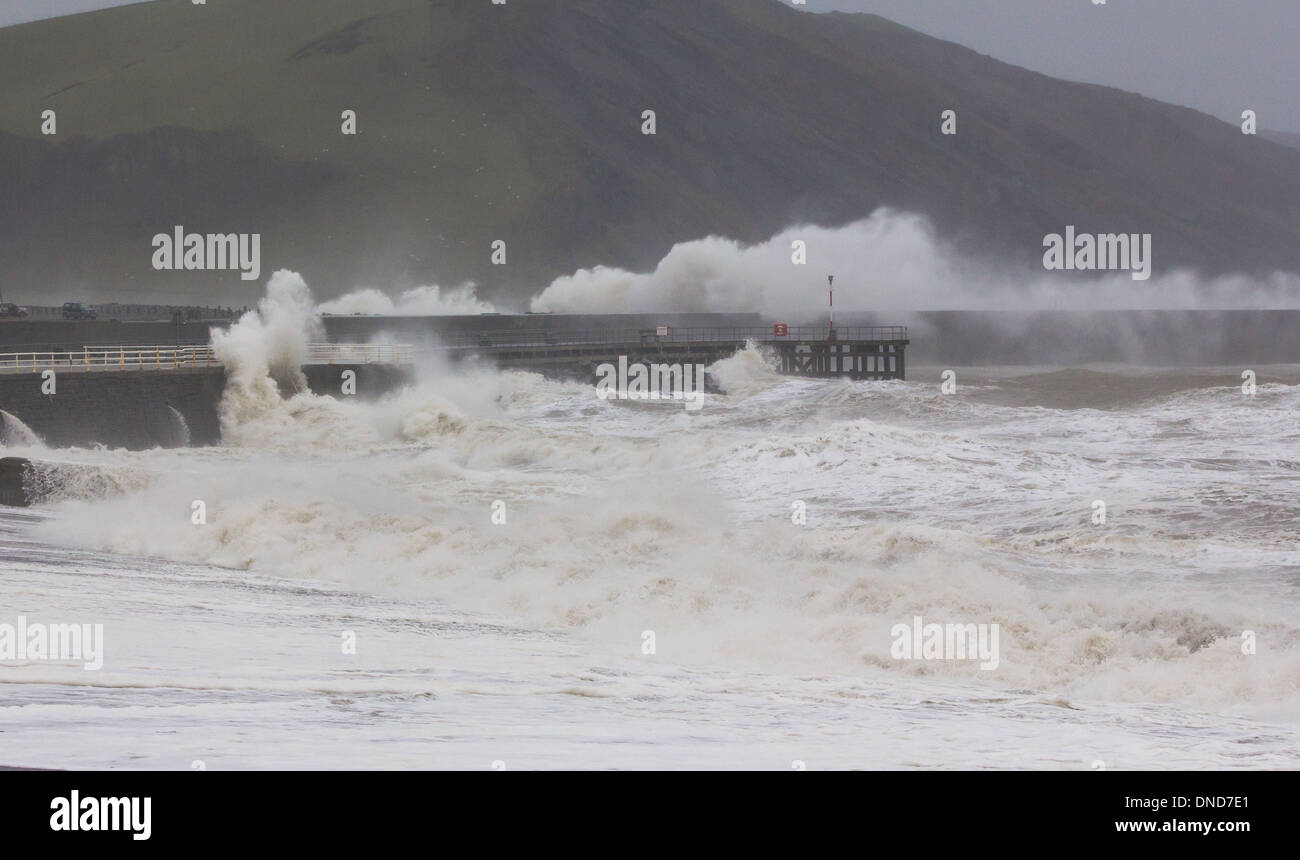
(830,291)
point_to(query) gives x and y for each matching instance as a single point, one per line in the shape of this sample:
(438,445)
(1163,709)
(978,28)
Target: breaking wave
(16,434)
(890,261)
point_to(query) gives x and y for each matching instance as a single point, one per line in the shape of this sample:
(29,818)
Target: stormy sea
(494,569)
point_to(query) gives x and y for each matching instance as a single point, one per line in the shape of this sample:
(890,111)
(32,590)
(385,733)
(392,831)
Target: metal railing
(108,358)
(94,358)
(130,357)
(360,353)
(506,338)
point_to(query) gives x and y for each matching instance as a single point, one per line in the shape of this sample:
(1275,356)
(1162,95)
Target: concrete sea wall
(133,409)
(141,409)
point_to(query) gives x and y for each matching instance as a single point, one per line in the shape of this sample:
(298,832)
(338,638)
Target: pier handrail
(503,338)
(360,353)
(110,358)
(152,357)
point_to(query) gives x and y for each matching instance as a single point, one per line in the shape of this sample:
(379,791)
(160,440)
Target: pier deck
(861,352)
(856,352)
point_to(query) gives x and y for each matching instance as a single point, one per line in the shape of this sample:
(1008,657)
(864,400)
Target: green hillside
(522,122)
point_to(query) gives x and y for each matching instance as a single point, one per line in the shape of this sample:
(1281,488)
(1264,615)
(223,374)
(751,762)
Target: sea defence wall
(1227,338)
(133,409)
(141,409)
(368,382)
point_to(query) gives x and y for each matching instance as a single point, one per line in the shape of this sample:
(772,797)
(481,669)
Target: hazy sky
(15,11)
(1219,56)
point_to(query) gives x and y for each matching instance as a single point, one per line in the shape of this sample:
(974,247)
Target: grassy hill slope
(522,122)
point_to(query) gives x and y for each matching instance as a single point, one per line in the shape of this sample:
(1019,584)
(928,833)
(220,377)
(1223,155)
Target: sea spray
(180,428)
(430,300)
(889,262)
(748,372)
(263,354)
(16,434)
(266,404)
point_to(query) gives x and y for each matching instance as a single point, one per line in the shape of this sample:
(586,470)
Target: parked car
(78,311)
(9,309)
